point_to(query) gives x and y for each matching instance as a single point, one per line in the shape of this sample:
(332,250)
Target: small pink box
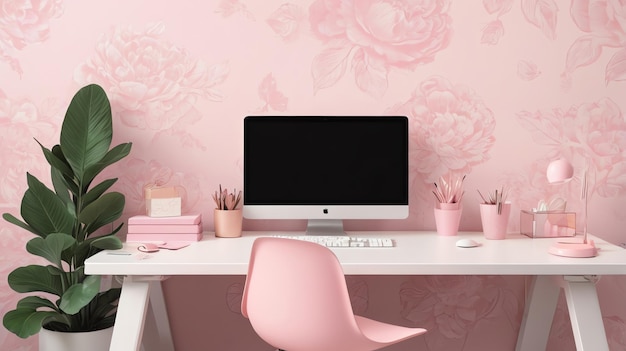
(164,207)
(162,201)
(185,219)
(155,192)
(165,228)
(151,237)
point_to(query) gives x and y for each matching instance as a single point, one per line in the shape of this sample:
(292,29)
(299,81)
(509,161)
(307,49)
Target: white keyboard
(342,241)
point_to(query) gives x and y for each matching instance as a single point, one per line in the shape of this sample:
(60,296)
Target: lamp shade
(560,171)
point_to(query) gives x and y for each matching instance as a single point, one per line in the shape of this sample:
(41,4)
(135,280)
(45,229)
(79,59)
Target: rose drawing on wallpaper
(450,129)
(590,135)
(450,307)
(604,25)
(542,14)
(23,23)
(527,70)
(153,84)
(273,99)
(359,294)
(20,122)
(234,295)
(286,21)
(373,36)
(228,8)
(616,332)
(494,30)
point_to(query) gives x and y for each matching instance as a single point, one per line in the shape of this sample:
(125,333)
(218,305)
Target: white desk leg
(585,313)
(131,312)
(158,336)
(538,314)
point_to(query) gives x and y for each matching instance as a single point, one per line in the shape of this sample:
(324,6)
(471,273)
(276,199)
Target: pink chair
(297,300)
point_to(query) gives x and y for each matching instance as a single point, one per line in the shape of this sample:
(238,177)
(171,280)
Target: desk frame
(142,306)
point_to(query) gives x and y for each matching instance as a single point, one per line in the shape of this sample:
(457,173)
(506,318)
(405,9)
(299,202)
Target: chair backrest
(296,294)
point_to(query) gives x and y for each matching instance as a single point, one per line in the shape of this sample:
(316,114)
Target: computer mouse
(467,243)
(148,247)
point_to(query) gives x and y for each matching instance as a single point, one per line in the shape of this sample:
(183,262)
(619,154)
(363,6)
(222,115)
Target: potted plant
(494,214)
(227,216)
(448,195)
(71,222)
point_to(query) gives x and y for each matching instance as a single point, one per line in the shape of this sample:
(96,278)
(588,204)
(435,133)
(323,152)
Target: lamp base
(574,249)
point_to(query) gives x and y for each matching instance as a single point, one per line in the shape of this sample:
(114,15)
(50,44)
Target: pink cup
(494,224)
(228,223)
(447,221)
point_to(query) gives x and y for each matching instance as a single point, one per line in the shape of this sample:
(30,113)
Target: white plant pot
(99,340)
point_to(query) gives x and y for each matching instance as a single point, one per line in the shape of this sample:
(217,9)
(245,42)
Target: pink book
(165,228)
(185,219)
(162,237)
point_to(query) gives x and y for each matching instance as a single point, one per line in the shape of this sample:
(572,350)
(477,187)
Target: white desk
(415,253)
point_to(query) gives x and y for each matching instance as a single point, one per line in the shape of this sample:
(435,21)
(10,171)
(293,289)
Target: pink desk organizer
(547,224)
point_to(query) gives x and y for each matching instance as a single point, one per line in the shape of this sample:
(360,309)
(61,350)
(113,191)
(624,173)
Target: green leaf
(58,163)
(60,188)
(51,247)
(94,245)
(106,209)
(35,302)
(104,323)
(115,154)
(106,305)
(35,278)
(56,271)
(69,179)
(97,191)
(107,243)
(13,220)
(87,130)
(25,322)
(80,294)
(43,210)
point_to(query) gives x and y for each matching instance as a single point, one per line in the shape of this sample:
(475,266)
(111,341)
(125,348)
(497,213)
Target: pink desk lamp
(561,171)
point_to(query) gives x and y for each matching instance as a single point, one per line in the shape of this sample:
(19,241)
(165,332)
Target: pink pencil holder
(494,224)
(448,220)
(228,223)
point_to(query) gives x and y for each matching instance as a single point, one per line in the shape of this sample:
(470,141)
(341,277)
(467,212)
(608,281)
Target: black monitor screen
(326,160)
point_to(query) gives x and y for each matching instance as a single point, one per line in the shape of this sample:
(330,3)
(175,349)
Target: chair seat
(384,333)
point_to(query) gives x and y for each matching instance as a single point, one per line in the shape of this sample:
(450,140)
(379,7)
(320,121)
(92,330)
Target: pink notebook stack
(164,229)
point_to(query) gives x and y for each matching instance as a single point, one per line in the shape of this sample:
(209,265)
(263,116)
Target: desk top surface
(415,253)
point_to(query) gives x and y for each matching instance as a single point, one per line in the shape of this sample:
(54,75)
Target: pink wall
(494,89)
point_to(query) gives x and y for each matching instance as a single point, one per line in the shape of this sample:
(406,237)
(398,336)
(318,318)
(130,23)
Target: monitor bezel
(327,216)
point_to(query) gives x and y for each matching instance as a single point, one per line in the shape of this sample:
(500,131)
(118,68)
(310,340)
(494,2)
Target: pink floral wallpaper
(494,90)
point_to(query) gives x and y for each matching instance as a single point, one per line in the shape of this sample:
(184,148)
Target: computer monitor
(326,169)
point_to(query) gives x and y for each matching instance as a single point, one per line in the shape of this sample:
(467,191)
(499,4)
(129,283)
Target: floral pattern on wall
(602,24)
(24,23)
(493,90)
(273,99)
(452,307)
(371,37)
(451,129)
(154,83)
